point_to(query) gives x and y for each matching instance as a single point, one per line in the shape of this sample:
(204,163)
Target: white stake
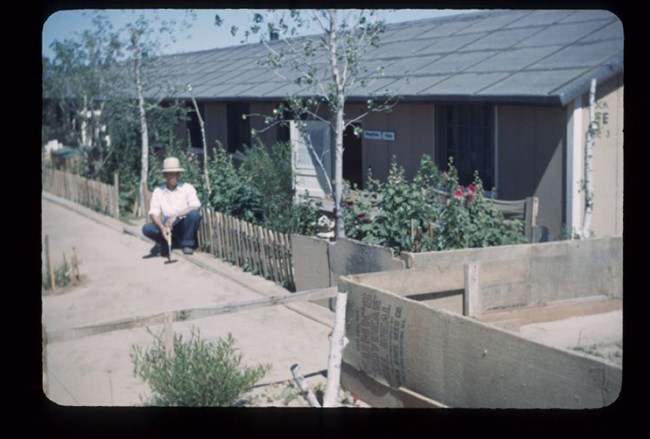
(337,343)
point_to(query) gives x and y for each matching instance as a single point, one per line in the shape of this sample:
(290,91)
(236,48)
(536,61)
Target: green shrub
(260,190)
(200,373)
(433,212)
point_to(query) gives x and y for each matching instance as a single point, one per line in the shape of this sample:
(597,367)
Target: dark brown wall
(531,144)
(215,124)
(413,125)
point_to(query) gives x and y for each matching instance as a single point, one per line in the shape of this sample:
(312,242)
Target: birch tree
(146,38)
(326,68)
(589,158)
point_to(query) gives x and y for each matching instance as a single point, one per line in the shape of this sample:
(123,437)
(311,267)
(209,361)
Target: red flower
(459,193)
(348,204)
(361,217)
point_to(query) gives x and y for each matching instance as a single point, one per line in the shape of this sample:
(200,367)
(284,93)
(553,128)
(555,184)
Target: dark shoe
(188,250)
(155,250)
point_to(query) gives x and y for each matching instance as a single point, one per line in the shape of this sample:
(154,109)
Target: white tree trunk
(144,170)
(589,158)
(306,391)
(206,175)
(86,142)
(337,343)
(338,174)
(337,109)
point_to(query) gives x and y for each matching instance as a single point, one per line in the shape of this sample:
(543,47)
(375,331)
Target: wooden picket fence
(99,196)
(254,248)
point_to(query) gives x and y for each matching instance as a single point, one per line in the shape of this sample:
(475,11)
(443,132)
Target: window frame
(471,127)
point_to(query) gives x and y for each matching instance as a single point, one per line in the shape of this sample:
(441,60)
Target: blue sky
(203,34)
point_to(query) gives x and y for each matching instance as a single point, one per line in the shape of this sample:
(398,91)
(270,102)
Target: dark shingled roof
(526,56)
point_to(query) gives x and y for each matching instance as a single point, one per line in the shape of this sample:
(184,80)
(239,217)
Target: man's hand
(170,221)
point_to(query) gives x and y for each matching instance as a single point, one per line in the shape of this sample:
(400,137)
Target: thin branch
(206,175)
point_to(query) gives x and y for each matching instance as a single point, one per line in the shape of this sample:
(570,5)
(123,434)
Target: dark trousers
(183,231)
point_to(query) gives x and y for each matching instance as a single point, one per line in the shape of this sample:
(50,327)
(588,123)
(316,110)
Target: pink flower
(348,204)
(471,190)
(459,193)
(361,217)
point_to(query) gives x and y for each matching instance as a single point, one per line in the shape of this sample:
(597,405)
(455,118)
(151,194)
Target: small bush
(200,373)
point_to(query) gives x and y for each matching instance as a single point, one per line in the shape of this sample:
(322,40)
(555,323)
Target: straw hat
(171,164)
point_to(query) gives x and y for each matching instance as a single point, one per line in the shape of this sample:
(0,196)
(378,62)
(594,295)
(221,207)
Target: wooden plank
(210,231)
(116,194)
(272,258)
(229,241)
(285,258)
(254,248)
(379,395)
(531,209)
(472,292)
(247,246)
(289,250)
(46,388)
(200,232)
(278,256)
(238,243)
(262,243)
(510,209)
(221,243)
(552,311)
(220,235)
(188,314)
(498,362)
(50,268)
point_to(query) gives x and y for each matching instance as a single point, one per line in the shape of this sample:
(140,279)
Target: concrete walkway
(118,283)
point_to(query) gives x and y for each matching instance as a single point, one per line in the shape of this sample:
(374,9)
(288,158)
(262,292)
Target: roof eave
(601,74)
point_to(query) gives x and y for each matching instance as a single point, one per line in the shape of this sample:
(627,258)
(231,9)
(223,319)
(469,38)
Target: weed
(200,373)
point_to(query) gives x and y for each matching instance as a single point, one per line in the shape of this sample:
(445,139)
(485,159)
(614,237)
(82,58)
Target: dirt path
(118,283)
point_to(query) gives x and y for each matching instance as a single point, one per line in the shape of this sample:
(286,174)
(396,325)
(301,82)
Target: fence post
(472,293)
(532,206)
(46,388)
(116,194)
(168,330)
(48,261)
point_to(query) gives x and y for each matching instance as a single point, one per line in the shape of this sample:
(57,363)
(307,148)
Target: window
(465,132)
(194,126)
(239,129)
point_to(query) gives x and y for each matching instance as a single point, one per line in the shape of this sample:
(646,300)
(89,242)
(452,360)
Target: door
(312,158)
(352,158)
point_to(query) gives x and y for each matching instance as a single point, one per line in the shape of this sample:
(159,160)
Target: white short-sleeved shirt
(167,203)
